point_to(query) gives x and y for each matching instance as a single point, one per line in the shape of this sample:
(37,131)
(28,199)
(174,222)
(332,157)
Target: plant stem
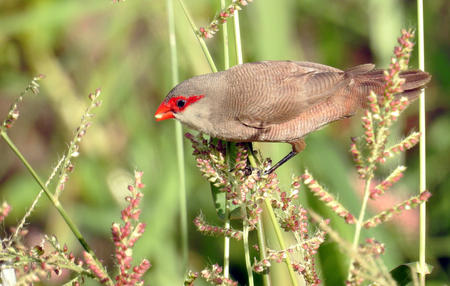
(226,242)
(54,201)
(178,138)
(280,239)
(422,127)
(199,38)
(262,249)
(226,49)
(237,34)
(362,213)
(276,227)
(259,227)
(226,247)
(248,262)
(20,226)
(360,221)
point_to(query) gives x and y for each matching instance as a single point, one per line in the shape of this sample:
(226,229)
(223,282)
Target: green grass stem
(280,239)
(226,242)
(199,38)
(422,148)
(259,227)
(276,227)
(23,221)
(179,139)
(52,198)
(227,223)
(226,49)
(262,249)
(237,35)
(360,221)
(54,201)
(248,262)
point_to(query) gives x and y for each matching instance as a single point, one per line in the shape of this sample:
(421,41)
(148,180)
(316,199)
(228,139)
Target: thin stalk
(422,154)
(251,157)
(226,242)
(54,201)
(276,227)
(178,137)
(226,246)
(199,38)
(280,239)
(226,49)
(262,249)
(19,228)
(362,213)
(259,226)
(248,263)
(360,221)
(237,34)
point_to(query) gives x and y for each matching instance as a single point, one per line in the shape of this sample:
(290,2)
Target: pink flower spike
(326,197)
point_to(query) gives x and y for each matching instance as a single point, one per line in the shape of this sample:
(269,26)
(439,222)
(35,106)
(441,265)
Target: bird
(277,101)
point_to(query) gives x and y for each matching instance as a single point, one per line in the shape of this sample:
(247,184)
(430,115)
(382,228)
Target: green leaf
(403,274)
(219,201)
(219,197)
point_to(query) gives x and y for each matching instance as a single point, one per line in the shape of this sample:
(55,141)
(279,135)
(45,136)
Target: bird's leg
(281,162)
(297,147)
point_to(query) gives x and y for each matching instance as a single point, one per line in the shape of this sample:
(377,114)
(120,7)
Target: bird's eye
(181,103)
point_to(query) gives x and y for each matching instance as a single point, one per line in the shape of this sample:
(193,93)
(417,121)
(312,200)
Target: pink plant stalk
(326,197)
(14,113)
(403,206)
(369,150)
(221,18)
(211,230)
(246,187)
(125,236)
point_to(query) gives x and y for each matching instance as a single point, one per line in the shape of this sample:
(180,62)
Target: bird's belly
(289,131)
(228,127)
(235,131)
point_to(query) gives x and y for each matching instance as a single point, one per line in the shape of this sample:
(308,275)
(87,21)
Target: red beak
(163,112)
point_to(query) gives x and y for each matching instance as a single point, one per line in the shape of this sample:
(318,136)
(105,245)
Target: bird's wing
(267,93)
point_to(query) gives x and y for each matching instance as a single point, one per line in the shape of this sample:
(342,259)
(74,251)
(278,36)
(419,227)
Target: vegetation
(124,49)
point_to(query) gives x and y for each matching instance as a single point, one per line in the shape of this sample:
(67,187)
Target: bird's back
(283,100)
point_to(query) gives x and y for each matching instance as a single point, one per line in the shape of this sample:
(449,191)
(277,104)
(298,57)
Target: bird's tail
(415,80)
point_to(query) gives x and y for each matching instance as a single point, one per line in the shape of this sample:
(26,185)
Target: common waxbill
(276,101)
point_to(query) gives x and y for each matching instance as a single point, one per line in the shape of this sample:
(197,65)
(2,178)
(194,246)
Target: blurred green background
(123,48)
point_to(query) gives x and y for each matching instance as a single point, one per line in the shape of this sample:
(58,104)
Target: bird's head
(193,101)
(182,98)
(174,105)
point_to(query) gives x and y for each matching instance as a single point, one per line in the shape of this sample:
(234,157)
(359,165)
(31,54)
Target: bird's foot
(268,168)
(248,170)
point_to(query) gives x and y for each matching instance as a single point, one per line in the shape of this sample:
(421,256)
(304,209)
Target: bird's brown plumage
(279,101)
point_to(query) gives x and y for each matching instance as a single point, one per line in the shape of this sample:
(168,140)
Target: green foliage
(123,48)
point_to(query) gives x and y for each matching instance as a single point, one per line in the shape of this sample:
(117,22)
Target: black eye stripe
(181,103)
